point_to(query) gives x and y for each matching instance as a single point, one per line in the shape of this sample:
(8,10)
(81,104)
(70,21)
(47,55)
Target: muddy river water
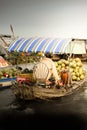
(68,112)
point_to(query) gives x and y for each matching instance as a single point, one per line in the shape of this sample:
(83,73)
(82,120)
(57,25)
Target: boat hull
(31,92)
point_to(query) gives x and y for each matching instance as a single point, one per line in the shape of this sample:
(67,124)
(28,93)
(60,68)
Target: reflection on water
(72,103)
(83,93)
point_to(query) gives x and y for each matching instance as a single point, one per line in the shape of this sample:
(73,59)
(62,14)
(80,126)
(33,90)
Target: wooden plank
(4,84)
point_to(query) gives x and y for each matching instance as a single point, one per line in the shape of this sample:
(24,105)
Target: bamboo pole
(70,77)
(13,37)
(4,41)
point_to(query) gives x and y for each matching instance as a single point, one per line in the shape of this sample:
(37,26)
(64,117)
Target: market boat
(54,46)
(32,92)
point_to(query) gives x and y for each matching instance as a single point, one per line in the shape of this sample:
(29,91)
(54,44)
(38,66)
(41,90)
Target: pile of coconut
(74,65)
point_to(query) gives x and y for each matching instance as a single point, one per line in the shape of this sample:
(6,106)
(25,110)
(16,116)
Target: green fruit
(2,77)
(1,73)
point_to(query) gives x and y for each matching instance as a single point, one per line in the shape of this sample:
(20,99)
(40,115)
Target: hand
(59,82)
(48,82)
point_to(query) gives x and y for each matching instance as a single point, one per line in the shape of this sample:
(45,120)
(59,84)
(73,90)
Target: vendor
(46,59)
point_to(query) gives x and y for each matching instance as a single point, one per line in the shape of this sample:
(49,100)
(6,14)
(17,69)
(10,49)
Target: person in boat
(46,59)
(65,77)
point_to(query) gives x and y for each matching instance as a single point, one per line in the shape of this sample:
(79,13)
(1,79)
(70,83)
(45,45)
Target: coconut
(56,64)
(73,74)
(59,62)
(77,59)
(63,65)
(77,74)
(66,62)
(82,77)
(79,64)
(78,79)
(74,77)
(72,64)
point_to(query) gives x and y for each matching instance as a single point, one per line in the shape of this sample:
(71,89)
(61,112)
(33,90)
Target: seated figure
(51,68)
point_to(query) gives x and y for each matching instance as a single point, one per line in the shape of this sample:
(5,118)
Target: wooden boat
(6,82)
(32,92)
(5,77)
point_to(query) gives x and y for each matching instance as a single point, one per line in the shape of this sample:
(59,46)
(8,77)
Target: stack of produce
(74,65)
(8,73)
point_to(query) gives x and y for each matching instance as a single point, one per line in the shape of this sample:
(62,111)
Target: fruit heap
(22,57)
(8,73)
(74,65)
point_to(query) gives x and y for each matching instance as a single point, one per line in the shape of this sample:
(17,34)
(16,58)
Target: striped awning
(37,44)
(76,47)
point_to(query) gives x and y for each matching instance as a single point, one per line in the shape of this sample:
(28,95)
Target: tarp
(3,62)
(86,44)
(76,47)
(37,44)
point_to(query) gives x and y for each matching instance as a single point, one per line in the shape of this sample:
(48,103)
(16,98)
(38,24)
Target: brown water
(65,112)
